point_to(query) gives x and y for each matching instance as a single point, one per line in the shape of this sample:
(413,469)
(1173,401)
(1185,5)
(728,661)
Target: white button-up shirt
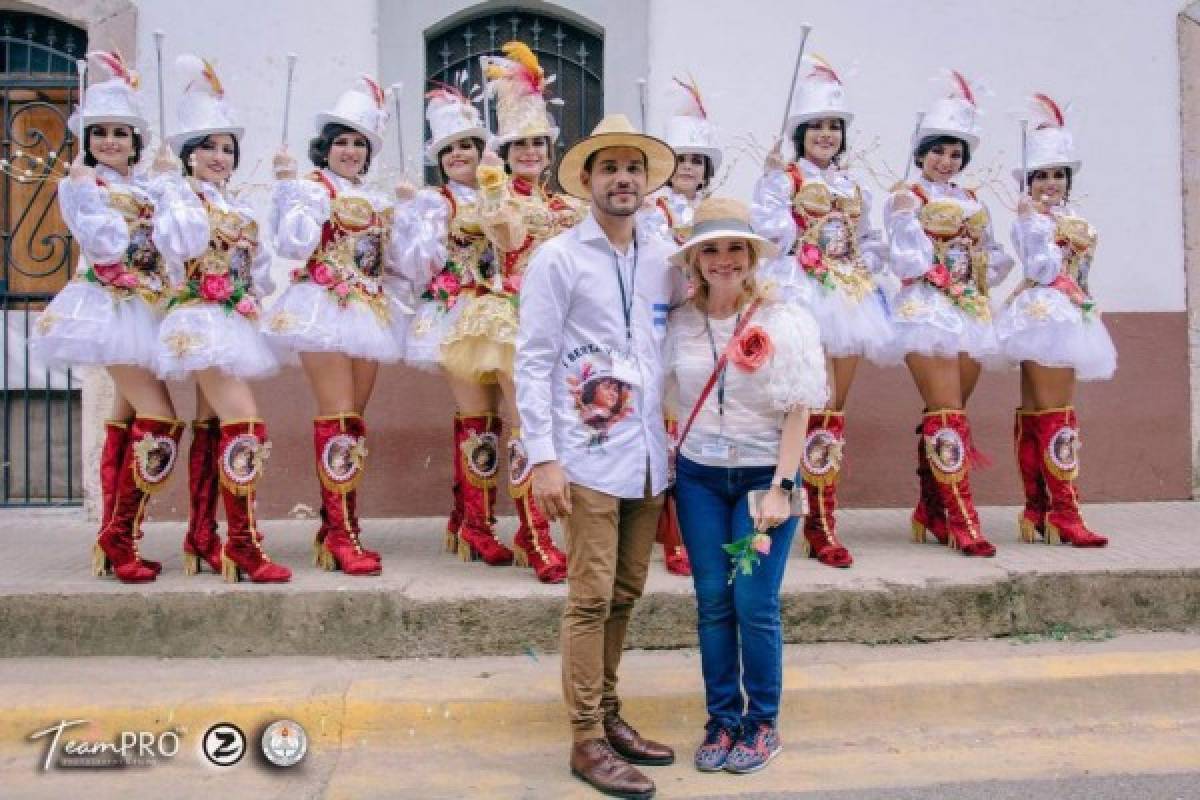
(589,396)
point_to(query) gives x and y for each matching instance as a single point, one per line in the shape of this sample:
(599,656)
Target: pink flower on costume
(126,280)
(342,289)
(810,256)
(938,275)
(751,349)
(513,284)
(216,288)
(957,289)
(247,307)
(762,543)
(446,282)
(321,274)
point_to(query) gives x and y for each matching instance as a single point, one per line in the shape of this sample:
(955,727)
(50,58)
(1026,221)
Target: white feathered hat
(819,95)
(114,99)
(954,114)
(519,85)
(1049,144)
(362,107)
(451,117)
(689,130)
(202,109)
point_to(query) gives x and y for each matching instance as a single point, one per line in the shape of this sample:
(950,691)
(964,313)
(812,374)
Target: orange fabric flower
(751,349)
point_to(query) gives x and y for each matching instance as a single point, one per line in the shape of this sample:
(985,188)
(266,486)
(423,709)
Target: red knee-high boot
(112,457)
(341,450)
(533,545)
(929,516)
(1057,433)
(149,458)
(1031,520)
(479,452)
(820,468)
(201,544)
(242,452)
(455,520)
(947,436)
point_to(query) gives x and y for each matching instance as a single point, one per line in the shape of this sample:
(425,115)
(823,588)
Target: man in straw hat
(594,311)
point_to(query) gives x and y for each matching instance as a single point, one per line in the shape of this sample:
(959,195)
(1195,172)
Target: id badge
(625,369)
(718,449)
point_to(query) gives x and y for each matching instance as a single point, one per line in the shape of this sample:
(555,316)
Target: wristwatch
(787,484)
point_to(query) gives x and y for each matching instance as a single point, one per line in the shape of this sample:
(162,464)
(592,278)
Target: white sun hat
(722,218)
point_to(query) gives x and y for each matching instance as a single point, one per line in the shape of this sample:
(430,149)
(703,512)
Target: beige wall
(1189,70)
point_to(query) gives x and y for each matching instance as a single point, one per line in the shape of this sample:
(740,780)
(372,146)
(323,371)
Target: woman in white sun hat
(109,314)
(943,250)
(344,312)
(219,271)
(819,215)
(1052,328)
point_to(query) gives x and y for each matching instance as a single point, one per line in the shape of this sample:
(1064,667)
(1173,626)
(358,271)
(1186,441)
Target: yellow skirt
(482,343)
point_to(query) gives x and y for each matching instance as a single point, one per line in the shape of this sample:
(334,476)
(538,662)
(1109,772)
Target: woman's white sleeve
(870,241)
(1033,240)
(771,211)
(795,375)
(999,262)
(99,228)
(181,230)
(299,209)
(910,253)
(418,243)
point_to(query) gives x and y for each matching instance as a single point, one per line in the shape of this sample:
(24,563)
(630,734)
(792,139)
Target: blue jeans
(741,636)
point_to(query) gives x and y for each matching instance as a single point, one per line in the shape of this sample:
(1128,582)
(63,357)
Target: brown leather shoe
(594,761)
(630,745)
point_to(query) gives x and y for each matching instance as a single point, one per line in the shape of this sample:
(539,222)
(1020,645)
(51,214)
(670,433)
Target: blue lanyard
(627,297)
(737,322)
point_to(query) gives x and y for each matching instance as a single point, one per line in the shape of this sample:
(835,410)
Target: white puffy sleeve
(651,221)
(1033,240)
(262,284)
(181,230)
(795,375)
(98,227)
(419,237)
(771,210)
(910,253)
(870,241)
(1000,263)
(299,209)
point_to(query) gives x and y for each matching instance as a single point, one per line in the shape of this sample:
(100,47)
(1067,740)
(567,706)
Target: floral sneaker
(755,748)
(712,752)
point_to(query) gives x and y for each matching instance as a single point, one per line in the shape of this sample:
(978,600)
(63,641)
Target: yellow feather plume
(520,52)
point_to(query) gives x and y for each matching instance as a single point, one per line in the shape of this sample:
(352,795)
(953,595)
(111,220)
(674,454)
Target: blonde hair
(750,286)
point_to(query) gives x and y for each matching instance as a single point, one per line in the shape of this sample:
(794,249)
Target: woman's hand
(775,508)
(775,161)
(165,162)
(903,200)
(284,165)
(81,172)
(405,190)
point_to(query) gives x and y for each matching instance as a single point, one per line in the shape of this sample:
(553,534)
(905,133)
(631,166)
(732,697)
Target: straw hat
(202,110)
(722,218)
(114,100)
(1049,144)
(615,130)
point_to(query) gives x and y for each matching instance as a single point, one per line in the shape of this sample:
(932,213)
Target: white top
(587,396)
(421,227)
(97,226)
(182,230)
(747,434)
(653,220)
(1033,237)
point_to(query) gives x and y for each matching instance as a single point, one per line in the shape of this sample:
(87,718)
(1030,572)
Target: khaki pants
(609,541)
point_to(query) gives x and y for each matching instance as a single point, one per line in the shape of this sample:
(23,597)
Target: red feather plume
(822,68)
(113,62)
(963,87)
(694,91)
(1047,104)
(376,91)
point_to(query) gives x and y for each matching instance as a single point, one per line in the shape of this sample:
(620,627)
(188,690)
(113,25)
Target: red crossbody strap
(716,373)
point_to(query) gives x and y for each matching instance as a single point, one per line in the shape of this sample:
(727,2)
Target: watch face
(787,484)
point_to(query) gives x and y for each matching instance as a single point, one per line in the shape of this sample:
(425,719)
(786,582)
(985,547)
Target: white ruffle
(795,375)
(927,323)
(201,336)
(307,318)
(429,326)
(87,324)
(1044,326)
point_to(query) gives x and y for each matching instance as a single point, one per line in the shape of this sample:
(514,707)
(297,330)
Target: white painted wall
(1116,61)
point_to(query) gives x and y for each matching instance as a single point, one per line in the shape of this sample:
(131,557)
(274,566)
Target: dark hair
(1070,177)
(89,160)
(318,147)
(475,140)
(802,129)
(588,394)
(708,169)
(502,151)
(591,159)
(933,141)
(191,145)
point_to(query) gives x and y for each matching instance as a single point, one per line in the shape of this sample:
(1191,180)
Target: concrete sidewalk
(428,603)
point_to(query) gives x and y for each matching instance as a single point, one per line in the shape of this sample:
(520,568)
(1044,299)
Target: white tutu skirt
(88,324)
(1043,325)
(309,319)
(849,327)
(927,323)
(200,336)
(426,330)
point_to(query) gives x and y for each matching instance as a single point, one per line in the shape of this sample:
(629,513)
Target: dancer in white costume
(1052,327)
(943,250)
(819,216)
(345,311)
(219,271)
(109,314)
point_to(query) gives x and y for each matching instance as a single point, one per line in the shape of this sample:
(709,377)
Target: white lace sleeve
(1000,263)
(795,375)
(99,228)
(1033,240)
(419,237)
(771,211)
(870,241)
(910,253)
(299,208)
(181,229)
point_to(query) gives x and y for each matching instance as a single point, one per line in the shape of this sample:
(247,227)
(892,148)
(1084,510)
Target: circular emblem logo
(339,459)
(518,462)
(284,743)
(822,452)
(240,459)
(155,456)
(946,450)
(224,744)
(483,454)
(1063,449)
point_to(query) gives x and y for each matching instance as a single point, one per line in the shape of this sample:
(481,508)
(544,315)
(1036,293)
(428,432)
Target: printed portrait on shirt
(602,400)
